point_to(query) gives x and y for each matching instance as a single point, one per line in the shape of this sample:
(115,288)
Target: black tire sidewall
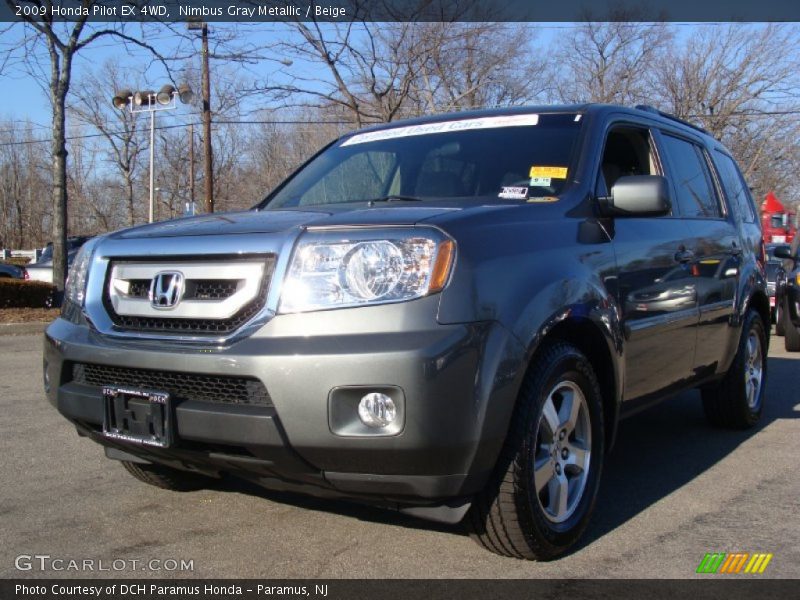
(753,322)
(791,333)
(570,366)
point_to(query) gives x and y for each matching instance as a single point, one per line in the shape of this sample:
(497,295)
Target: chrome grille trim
(249,276)
(240,247)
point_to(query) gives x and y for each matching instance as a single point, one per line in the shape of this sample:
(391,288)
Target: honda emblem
(166,289)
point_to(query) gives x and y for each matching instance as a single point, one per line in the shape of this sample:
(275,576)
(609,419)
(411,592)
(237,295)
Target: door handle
(684,256)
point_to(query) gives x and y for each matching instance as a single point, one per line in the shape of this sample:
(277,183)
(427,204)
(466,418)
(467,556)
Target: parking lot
(673,489)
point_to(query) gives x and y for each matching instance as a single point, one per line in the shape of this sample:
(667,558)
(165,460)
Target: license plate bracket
(138,415)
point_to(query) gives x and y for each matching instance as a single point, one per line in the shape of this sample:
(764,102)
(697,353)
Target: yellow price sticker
(548,172)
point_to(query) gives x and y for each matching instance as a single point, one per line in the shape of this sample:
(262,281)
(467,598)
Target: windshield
(500,157)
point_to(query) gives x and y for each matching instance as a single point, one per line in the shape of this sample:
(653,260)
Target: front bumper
(446,377)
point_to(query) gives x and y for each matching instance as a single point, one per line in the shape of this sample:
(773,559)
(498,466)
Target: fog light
(376,410)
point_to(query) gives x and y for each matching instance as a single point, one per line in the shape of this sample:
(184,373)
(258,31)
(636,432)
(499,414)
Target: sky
(29,102)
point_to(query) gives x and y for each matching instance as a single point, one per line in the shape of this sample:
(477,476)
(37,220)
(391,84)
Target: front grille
(207,290)
(221,389)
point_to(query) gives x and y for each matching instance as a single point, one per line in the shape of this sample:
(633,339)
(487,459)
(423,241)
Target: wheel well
(760,302)
(588,338)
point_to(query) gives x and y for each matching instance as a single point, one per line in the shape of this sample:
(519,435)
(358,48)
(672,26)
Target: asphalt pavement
(673,489)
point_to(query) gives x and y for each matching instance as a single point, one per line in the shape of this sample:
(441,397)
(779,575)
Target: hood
(273,221)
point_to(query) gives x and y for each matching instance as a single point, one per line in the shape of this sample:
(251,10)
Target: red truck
(778,224)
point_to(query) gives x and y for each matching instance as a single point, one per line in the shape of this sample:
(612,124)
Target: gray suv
(446,316)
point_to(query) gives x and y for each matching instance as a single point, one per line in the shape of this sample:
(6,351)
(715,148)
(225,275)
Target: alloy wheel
(563,451)
(753,371)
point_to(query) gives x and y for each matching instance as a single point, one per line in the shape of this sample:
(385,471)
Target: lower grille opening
(219,389)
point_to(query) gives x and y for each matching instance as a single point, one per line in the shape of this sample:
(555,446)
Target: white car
(43,269)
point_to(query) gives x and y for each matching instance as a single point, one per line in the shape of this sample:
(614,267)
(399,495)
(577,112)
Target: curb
(32,328)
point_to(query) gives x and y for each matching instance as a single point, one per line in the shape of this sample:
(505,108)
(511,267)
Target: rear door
(658,304)
(715,246)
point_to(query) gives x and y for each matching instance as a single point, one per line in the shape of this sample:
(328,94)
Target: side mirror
(638,196)
(784,252)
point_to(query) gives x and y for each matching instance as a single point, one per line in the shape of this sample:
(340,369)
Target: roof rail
(666,115)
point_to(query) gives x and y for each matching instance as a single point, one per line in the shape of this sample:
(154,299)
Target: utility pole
(152,158)
(191,164)
(207,151)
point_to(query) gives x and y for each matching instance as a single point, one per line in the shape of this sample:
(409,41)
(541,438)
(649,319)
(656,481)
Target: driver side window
(628,151)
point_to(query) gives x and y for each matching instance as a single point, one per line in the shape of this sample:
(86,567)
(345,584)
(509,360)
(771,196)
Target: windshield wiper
(394,198)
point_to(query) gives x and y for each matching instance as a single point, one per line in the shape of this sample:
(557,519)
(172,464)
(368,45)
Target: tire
(166,478)
(791,334)
(738,400)
(509,517)
(780,326)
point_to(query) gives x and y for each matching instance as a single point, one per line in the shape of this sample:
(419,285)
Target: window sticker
(513,192)
(540,182)
(443,127)
(548,172)
(542,199)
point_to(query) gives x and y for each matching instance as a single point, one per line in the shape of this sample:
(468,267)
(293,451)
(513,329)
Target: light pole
(152,102)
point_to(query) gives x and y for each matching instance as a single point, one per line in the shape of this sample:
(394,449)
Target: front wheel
(545,485)
(737,401)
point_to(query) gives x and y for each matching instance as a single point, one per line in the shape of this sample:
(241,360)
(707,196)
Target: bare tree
(474,65)
(721,73)
(121,129)
(382,72)
(740,83)
(366,69)
(62,42)
(609,62)
(24,184)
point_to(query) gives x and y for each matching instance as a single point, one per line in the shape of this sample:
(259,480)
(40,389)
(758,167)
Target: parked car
(432,315)
(43,269)
(774,272)
(13,272)
(787,295)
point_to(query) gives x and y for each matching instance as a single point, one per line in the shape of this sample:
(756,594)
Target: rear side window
(689,172)
(734,186)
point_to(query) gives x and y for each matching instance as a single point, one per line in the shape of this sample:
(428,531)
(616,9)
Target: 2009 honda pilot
(448,316)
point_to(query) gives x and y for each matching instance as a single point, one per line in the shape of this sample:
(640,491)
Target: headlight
(75,288)
(336,268)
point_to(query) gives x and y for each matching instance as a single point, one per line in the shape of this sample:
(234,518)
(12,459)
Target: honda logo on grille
(166,289)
